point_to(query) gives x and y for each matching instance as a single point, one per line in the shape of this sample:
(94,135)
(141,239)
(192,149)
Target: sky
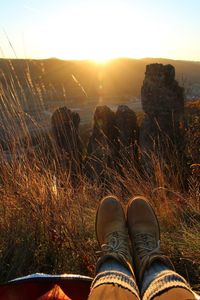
(100,29)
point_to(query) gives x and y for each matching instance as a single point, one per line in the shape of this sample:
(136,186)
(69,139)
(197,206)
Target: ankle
(152,273)
(111,264)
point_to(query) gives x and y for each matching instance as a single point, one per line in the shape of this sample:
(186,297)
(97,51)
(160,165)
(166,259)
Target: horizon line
(99,61)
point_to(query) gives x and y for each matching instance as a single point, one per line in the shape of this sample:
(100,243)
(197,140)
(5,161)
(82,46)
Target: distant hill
(78,80)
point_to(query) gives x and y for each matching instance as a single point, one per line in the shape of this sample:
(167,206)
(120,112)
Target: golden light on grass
(38,210)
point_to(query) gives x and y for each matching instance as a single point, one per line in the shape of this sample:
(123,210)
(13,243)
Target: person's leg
(160,282)
(119,282)
(115,278)
(155,272)
(177,294)
(111,292)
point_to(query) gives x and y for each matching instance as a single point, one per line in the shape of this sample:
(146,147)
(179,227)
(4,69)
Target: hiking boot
(112,233)
(144,232)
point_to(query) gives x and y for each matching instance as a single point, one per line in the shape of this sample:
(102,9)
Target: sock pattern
(116,278)
(165,280)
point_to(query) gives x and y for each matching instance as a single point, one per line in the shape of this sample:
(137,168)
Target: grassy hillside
(47,225)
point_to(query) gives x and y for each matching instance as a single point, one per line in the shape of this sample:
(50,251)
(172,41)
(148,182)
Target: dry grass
(48,226)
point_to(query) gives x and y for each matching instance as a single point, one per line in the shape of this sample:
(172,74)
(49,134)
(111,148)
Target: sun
(95,34)
(92,35)
(98,32)
(101,60)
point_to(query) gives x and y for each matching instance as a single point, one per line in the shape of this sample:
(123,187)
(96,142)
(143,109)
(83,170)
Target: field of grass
(47,225)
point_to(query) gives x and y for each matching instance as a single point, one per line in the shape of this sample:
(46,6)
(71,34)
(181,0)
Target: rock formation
(163,104)
(65,125)
(126,123)
(102,146)
(112,143)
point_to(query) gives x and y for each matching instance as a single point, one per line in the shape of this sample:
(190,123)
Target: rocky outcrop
(163,104)
(65,125)
(102,146)
(112,142)
(126,124)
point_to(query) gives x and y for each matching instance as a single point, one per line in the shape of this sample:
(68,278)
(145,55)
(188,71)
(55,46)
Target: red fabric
(74,289)
(56,293)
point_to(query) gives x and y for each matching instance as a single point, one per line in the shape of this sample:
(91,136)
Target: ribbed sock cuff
(116,278)
(165,281)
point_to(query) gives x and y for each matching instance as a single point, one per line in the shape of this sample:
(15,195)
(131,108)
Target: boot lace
(117,243)
(146,247)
